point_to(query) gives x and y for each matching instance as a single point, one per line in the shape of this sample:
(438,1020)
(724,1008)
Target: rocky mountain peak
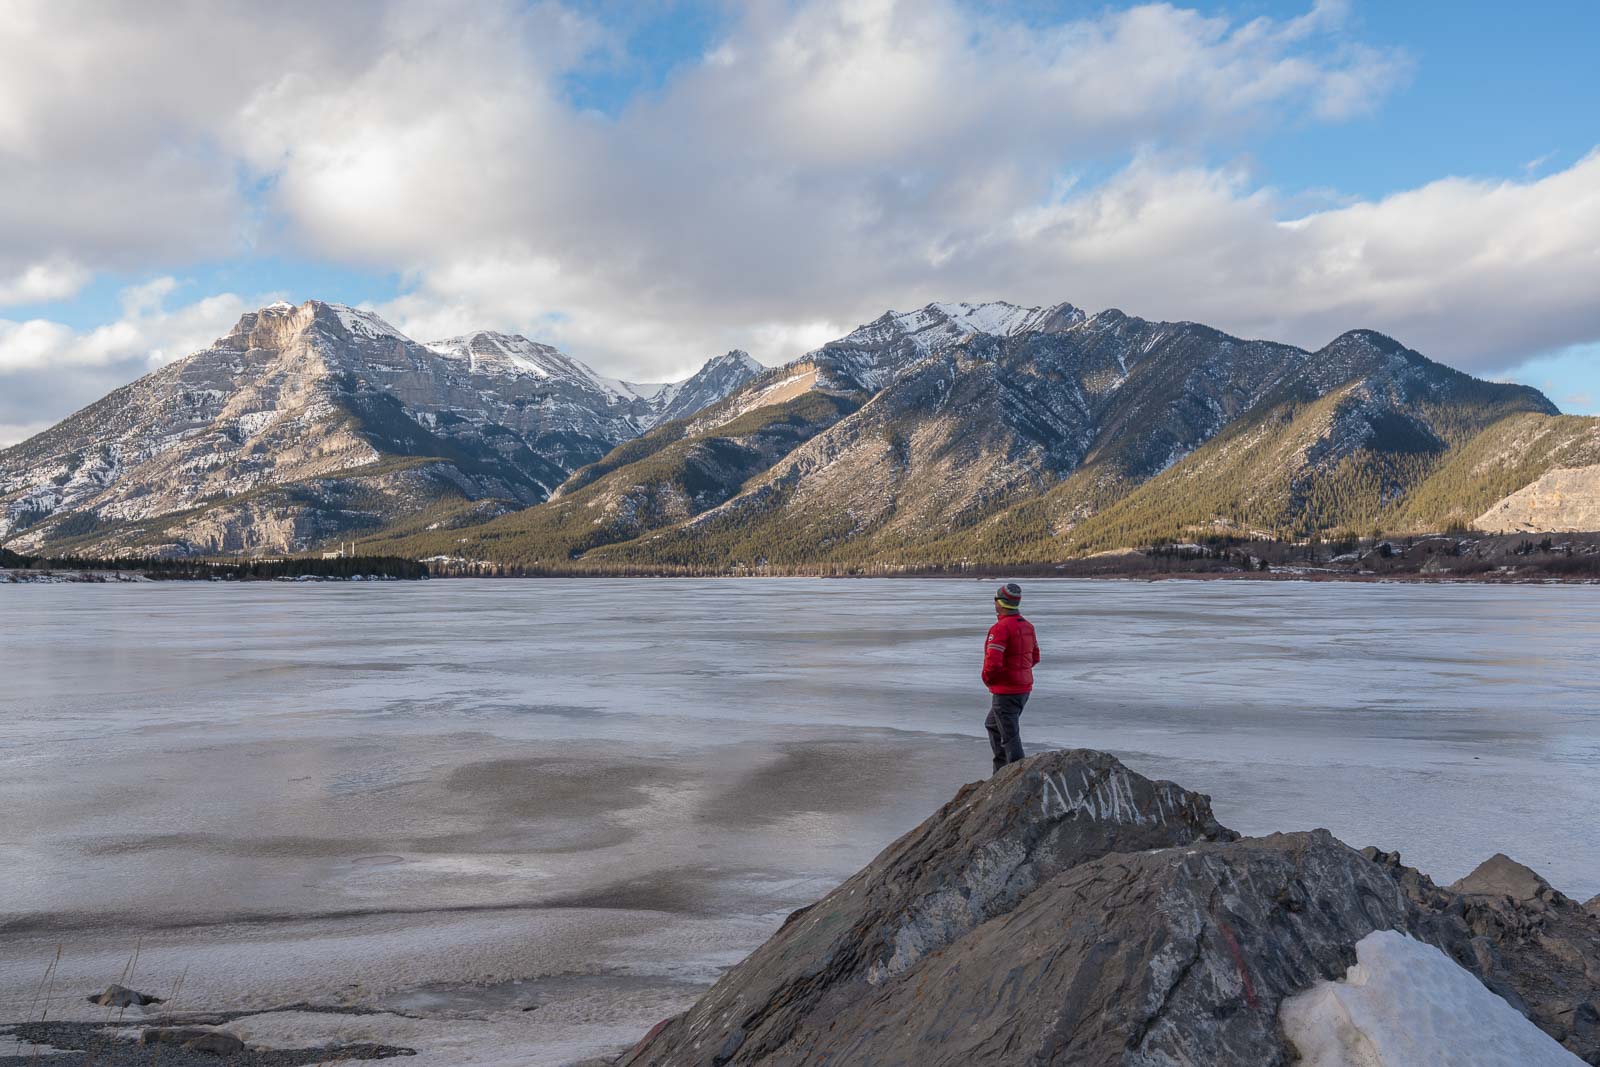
(943,321)
(1371,339)
(872,354)
(305,408)
(493,352)
(734,357)
(275,324)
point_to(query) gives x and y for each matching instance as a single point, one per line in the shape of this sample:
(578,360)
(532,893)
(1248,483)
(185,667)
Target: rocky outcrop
(1565,500)
(1543,944)
(1070,911)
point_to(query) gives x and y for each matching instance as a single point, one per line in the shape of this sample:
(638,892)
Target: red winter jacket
(1009,653)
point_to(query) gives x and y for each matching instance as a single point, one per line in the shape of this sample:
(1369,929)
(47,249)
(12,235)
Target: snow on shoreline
(1404,1003)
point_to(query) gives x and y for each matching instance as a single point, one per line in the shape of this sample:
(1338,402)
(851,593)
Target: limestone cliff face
(305,423)
(1070,911)
(1565,500)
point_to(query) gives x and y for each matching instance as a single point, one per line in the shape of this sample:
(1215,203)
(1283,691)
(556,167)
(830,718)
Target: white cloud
(110,122)
(147,332)
(1475,273)
(39,282)
(823,161)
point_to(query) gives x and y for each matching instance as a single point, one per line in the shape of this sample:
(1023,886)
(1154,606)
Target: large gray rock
(976,858)
(1069,911)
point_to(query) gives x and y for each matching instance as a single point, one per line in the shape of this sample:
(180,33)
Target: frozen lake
(469,798)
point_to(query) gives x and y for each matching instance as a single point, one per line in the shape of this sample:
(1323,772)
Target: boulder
(217,1042)
(976,858)
(116,996)
(1070,911)
(193,1038)
(1536,940)
(1500,875)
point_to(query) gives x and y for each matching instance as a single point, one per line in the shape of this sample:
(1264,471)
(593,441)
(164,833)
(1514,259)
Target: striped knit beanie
(1009,597)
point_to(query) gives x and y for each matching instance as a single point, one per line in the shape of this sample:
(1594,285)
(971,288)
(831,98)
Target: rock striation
(1070,911)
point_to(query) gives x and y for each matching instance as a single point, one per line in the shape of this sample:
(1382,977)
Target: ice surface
(350,793)
(1403,1004)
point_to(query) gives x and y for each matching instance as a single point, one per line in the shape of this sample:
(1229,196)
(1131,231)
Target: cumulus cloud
(1476,273)
(147,333)
(41,282)
(112,122)
(822,161)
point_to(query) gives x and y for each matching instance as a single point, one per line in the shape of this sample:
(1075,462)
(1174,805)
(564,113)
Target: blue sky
(648,184)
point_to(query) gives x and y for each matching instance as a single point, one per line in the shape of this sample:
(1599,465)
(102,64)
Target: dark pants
(1005,735)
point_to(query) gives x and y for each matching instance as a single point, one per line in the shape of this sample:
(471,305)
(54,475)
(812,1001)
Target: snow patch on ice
(1405,1003)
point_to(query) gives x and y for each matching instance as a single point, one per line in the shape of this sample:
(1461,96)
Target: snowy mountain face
(720,377)
(960,419)
(869,356)
(308,422)
(952,429)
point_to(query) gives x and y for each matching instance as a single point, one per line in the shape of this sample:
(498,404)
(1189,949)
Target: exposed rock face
(307,422)
(1544,944)
(1069,911)
(1565,500)
(982,431)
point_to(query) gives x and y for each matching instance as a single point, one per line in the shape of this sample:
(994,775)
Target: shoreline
(1458,558)
(987,574)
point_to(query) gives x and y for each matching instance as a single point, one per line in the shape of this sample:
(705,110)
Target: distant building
(344,551)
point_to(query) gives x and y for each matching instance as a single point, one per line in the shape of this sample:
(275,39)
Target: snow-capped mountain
(992,431)
(870,355)
(306,422)
(956,431)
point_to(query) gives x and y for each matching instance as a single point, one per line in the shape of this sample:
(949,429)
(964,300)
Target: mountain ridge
(995,448)
(343,422)
(953,433)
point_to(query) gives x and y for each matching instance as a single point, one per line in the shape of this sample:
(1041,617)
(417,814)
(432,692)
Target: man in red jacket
(1009,653)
